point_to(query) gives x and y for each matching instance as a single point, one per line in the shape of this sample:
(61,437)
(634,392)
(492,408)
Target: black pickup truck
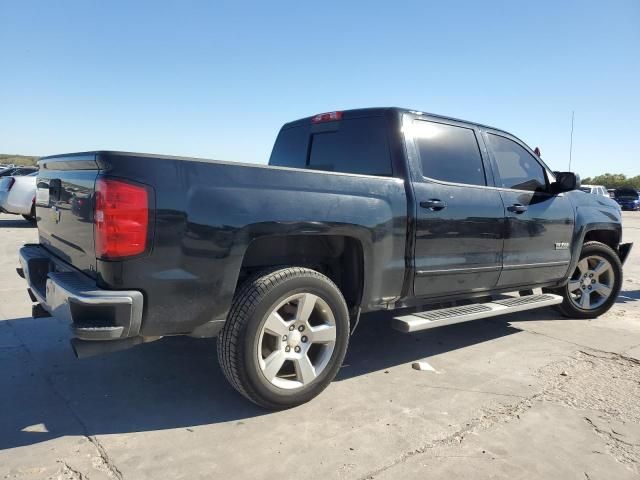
(357,211)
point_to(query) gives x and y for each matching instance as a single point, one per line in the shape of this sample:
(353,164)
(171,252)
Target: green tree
(613,180)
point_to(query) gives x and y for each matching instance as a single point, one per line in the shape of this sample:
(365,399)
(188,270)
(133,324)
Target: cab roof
(381,111)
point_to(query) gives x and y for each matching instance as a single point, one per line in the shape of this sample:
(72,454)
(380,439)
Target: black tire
(568,307)
(238,341)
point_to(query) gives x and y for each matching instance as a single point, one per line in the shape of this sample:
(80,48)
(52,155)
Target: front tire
(285,337)
(594,285)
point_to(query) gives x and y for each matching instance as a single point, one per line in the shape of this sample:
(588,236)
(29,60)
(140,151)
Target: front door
(459,220)
(539,223)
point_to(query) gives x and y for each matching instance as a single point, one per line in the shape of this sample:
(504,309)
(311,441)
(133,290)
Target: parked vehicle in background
(611,192)
(17,171)
(628,198)
(17,195)
(595,190)
(357,211)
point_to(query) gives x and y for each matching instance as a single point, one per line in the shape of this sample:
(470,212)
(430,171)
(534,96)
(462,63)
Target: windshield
(626,193)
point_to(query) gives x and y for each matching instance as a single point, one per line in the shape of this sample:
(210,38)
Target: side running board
(447,316)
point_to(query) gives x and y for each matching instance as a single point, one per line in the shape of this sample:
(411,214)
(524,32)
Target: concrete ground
(523,396)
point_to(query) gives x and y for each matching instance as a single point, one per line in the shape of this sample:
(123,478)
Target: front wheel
(285,337)
(594,285)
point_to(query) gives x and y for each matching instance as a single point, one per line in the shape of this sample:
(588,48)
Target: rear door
(459,218)
(539,223)
(64,208)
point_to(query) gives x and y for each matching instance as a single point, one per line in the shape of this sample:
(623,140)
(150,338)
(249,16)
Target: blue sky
(217,79)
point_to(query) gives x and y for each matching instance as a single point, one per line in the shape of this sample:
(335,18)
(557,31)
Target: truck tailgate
(64,208)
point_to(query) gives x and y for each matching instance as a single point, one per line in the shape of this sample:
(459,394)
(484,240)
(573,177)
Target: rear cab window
(357,145)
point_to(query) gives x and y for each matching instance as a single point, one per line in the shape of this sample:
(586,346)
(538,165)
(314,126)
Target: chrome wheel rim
(297,339)
(592,282)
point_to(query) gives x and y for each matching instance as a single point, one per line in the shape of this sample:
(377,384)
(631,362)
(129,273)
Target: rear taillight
(121,219)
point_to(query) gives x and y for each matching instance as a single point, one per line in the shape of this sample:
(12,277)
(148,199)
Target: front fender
(593,213)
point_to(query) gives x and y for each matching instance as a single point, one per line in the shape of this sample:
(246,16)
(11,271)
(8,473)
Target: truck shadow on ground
(375,346)
(628,296)
(174,382)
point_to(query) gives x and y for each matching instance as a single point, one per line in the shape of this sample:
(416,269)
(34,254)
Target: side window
(357,146)
(517,168)
(448,153)
(290,149)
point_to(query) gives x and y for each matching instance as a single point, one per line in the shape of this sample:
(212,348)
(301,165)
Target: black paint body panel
(206,214)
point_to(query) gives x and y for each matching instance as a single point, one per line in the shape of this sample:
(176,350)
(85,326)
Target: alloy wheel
(591,283)
(296,341)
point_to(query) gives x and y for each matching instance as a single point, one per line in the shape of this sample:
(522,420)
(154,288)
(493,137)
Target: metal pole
(571,141)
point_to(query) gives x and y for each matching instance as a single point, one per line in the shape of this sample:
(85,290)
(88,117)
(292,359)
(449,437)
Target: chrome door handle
(433,204)
(517,208)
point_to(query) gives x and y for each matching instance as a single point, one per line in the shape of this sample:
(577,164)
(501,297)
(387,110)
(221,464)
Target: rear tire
(594,285)
(285,337)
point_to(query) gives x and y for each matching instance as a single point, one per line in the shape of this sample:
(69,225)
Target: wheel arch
(609,234)
(609,237)
(339,257)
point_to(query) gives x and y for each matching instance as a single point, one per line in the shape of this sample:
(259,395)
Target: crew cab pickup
(357,211)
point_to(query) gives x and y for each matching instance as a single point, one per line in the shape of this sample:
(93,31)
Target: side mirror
(566,181)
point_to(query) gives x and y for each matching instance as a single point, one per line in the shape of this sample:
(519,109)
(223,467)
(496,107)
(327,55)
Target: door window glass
(448,152)
(517,168)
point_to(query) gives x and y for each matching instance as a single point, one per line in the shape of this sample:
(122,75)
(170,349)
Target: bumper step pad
(94,313)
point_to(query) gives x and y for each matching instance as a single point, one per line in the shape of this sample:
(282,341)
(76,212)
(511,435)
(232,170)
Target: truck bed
(206,214)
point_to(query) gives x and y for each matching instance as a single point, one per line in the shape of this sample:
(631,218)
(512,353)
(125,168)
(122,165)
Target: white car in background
(595,190)
(18,194)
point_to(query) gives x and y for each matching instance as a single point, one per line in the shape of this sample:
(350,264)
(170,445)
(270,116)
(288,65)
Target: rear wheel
(594,285)
(285,337)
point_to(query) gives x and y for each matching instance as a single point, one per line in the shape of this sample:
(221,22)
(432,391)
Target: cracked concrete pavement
(523,396)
